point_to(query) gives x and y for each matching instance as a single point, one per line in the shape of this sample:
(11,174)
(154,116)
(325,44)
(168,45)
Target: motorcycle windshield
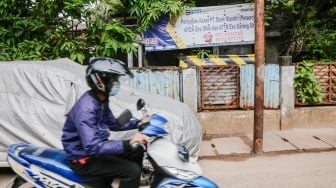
(156,126)
(158,120)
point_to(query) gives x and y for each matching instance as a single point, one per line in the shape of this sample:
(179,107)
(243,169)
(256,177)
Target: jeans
(126,167)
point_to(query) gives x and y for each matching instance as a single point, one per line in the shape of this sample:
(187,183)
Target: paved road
(299,170)
(306,170)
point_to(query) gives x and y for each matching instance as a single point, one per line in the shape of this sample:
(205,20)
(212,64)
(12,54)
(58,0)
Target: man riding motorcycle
(86,130)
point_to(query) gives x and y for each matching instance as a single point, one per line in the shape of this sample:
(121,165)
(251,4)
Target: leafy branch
(77,29)
(307,88)
(305,26)
(202,53)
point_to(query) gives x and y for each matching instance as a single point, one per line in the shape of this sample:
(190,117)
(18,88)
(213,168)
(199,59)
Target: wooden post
(259,77)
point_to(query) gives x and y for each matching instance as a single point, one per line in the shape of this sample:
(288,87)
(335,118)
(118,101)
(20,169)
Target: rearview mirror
(124,117)
(140,104)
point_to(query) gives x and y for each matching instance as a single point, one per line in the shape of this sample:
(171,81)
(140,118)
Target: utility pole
(259,76)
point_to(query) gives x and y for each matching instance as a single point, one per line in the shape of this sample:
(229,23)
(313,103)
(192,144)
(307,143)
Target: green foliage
(307,88)
(114,32)
(323,41)
(308,24)
(202,53)
(150,11)
(77,29)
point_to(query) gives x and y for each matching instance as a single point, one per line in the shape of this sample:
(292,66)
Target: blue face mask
(115,88)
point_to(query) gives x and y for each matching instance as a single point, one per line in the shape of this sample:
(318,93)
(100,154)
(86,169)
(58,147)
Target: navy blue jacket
(87,127)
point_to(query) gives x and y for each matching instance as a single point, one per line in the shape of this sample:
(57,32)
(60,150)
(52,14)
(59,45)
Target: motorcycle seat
(51,159)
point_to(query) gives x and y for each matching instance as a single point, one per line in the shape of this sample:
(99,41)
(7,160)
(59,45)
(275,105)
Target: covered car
(35,97)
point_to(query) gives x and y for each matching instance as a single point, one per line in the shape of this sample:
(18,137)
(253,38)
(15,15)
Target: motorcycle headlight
(181,174)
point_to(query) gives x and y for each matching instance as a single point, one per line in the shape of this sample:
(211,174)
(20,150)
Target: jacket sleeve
(92,138)
(114,126)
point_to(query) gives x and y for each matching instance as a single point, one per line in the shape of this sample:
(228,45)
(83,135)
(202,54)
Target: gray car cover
(36,95)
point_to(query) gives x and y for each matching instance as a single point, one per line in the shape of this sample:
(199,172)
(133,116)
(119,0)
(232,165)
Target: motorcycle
(48,167)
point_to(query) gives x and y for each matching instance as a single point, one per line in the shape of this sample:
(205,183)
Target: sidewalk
(295,140)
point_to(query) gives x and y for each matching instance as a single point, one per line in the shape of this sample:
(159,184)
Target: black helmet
(102,70)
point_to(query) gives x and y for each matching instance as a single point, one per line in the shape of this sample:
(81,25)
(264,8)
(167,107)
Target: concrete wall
(314,117)
(190,88)
(236,121)
(288,117)
(287,96)
(242,121)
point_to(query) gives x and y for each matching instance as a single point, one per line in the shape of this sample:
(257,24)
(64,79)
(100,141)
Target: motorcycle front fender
(200,181)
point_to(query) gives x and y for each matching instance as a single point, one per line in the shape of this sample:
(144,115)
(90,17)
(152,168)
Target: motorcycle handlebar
(143,125)
(137,146)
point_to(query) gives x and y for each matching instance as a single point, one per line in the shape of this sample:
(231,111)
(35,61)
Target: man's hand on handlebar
(141,138)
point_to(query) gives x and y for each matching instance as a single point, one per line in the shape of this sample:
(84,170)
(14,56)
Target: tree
(78,29)
(309,24)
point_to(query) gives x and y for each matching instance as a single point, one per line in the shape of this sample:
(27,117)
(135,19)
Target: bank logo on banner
(202,27)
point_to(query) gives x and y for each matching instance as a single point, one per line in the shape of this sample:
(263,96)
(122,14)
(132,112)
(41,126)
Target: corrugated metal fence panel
(164,82)
(246,86)
(271,86)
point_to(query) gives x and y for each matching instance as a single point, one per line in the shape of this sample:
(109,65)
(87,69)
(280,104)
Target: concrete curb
(274,142)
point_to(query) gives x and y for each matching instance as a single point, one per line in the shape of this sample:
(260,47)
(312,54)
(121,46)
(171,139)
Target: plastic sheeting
(36,95)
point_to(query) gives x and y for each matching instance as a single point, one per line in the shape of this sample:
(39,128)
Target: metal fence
(325,74)
(219,87)
(271,86)
(232,87)
(164,81)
